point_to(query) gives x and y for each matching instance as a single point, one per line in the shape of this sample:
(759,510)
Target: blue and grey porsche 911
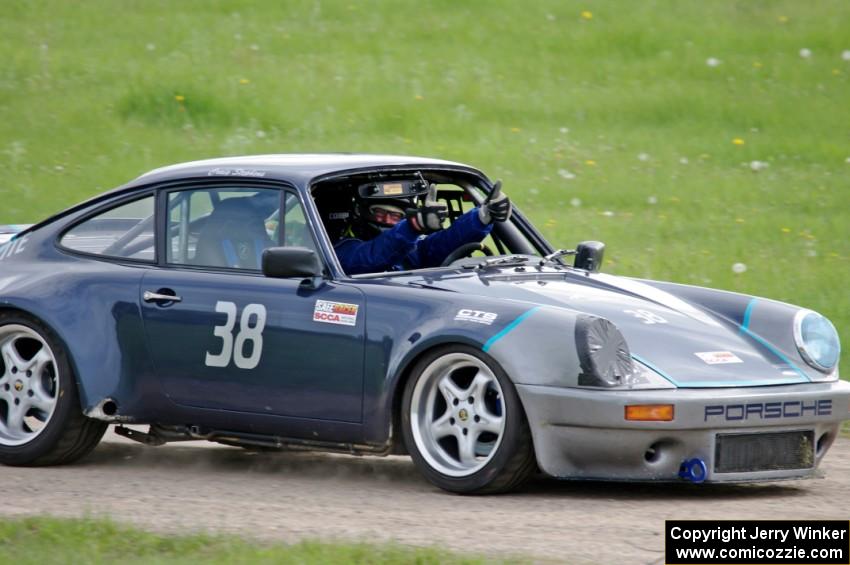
(207,301)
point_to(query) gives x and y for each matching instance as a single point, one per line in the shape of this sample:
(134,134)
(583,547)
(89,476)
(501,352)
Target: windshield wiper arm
(557,254)
(502,261)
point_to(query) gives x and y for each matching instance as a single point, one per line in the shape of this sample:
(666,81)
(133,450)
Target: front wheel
(464,425)
(41,422)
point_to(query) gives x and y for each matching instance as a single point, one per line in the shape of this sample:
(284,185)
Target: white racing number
(646,316)
(247,333)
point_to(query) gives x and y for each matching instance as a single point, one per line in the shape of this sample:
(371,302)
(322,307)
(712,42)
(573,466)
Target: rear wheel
(464,425)
(41,422)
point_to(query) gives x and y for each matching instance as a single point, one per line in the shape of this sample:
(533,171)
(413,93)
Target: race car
(205,300)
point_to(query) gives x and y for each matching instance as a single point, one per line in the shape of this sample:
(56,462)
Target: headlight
(606,361)
(817,340)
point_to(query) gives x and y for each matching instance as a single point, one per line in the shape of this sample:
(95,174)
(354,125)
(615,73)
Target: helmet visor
(385,214)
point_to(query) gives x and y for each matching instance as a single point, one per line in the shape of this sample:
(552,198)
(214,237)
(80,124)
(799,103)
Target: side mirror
(286,262)
(589,256)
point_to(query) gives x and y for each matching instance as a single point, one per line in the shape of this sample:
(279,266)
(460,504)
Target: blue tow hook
(693,470)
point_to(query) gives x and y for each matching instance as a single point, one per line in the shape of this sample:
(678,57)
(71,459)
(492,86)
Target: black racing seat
(233,236)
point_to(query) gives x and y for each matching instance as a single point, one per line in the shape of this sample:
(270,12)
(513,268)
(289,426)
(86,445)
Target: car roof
(296,168)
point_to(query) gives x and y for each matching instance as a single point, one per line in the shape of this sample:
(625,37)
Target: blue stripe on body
(643,361)
(776,352)
(520,319)
(747,313)
(733,384)
(745,329)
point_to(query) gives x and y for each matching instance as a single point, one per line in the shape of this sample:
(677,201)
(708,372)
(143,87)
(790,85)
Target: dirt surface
(291,496)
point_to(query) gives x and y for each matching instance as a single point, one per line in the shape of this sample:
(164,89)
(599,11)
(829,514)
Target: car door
(232,339)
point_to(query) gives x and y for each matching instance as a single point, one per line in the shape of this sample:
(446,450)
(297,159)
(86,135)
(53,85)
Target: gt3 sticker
(335,313)
(13,247)
(476,316)
(719,357)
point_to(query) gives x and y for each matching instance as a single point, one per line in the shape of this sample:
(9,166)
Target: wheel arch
(402,377)
(13,309)
(511,468)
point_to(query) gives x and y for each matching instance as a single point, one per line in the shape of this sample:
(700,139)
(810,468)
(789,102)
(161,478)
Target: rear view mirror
(286,262)
(589,256)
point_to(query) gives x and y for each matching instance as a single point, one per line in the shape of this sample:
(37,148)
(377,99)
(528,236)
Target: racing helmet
(381,205)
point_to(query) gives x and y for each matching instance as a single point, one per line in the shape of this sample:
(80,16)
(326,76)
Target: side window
(295,230)
(126,231)
(230,227)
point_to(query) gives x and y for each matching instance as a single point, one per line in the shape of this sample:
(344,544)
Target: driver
(393,234)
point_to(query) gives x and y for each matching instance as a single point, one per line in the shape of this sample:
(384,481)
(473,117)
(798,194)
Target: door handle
(149,296)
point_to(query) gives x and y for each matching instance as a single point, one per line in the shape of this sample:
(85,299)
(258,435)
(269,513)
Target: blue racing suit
(400,248)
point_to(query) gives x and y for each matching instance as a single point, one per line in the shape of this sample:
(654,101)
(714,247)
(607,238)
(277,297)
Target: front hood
(690,346)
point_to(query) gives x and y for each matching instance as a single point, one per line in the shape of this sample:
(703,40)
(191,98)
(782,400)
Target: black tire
(67,435)
(513,461)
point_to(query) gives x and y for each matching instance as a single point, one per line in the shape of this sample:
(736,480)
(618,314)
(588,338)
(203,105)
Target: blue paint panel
(307,369)
(508,329)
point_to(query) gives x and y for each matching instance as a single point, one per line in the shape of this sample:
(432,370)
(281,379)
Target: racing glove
(429,217)
(497,207)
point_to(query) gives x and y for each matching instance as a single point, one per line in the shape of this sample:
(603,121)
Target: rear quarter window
(125,231)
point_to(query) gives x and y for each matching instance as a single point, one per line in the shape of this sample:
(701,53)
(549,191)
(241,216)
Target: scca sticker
(335,313)
(718,357)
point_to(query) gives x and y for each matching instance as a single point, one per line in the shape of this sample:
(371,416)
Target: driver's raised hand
(497,207)
(429,217)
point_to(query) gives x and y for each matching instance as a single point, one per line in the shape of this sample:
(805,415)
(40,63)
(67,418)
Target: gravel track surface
(292,496)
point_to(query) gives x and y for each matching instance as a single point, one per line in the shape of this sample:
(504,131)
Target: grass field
(45,541)
(689,136)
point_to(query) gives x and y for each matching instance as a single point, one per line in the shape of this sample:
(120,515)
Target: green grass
(623,101)
(43,541)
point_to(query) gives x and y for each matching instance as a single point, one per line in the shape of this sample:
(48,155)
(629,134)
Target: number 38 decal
(251,327)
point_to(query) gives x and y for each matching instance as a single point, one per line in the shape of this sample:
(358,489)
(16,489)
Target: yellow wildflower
(180,98)
(738,141)
(516,130)
(244,81)
(587,14)
(590,163)
(786,230)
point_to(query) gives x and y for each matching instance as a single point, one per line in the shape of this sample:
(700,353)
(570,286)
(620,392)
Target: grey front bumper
(583,433)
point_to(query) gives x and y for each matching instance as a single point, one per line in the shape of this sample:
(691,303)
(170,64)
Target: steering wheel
(466,250)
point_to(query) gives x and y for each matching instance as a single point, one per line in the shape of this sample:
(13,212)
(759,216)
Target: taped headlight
(603,353)
(606,361)
(817,340)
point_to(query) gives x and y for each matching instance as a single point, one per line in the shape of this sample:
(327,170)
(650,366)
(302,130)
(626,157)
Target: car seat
(233,236)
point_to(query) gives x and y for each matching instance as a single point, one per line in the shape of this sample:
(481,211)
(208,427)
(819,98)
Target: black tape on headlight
(603,353)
